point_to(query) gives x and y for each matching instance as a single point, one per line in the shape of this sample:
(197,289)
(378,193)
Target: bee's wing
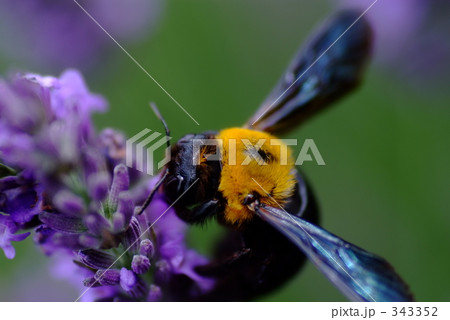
(358,274)
(328,67)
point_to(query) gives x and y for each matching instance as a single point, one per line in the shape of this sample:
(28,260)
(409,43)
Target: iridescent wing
(358,274)
(329,66)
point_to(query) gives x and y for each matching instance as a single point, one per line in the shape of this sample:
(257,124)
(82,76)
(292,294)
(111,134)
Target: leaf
(6,171)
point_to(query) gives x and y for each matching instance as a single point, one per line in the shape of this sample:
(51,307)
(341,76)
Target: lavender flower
(61,34)
(411,37)
(7,234)
(70,185)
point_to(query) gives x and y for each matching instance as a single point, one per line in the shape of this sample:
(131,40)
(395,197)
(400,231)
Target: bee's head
(189,163)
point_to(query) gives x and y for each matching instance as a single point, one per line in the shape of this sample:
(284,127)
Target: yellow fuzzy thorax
(275,175)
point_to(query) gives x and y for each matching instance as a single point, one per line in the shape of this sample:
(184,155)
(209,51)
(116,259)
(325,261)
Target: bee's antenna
(166,174)
(161,118)
(152,193)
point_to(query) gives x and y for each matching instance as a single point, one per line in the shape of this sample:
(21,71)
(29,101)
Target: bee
(255,190)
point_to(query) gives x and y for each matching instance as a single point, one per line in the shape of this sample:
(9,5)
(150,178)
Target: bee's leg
(303,203)
(152,193)
(217,268)
(204,211)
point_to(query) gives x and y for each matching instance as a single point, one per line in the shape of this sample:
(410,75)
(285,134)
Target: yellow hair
(275,175)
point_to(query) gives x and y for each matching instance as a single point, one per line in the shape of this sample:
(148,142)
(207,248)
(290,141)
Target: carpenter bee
(254,188)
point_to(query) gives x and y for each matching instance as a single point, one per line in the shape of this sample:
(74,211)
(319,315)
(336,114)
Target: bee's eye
(180,182)
(249,199)
(266,156)
(260,155)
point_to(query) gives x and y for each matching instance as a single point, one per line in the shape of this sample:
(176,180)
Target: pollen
(254,163)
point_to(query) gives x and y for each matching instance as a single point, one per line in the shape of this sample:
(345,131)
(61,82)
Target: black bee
(255,190)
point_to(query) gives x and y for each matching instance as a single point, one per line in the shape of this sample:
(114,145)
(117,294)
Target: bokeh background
(385,186)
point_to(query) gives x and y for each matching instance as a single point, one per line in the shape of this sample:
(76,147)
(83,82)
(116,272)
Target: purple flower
(20,198)
(44,123)
(147,248)
(70,184)
(411,37)
(114,146)
(63,268)
(154,293)
(175,257)
(140,264)
(20,203)
(127,279)
(57,34)
(7,234)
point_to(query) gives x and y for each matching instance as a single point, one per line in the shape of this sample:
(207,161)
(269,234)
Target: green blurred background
(385,186)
